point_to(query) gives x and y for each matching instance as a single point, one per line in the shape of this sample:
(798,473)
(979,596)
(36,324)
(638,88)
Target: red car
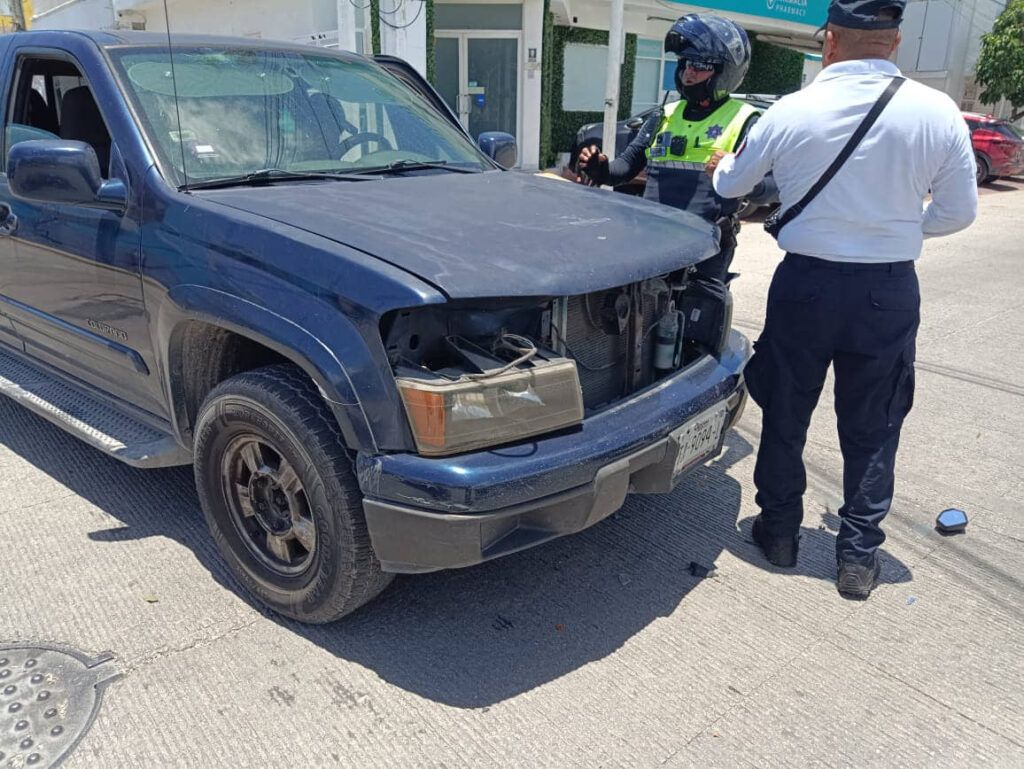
(998,147)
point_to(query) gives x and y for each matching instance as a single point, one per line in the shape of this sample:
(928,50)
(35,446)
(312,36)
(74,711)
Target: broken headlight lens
(451,416)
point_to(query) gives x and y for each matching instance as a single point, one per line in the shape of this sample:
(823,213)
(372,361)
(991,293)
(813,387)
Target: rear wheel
(281,499)
(984,170)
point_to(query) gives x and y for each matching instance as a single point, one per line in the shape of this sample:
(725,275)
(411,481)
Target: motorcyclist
(675,143)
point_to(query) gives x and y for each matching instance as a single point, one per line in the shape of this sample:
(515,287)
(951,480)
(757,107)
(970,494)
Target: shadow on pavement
(757,218)
(817,554)
(1001,186)
(467,638)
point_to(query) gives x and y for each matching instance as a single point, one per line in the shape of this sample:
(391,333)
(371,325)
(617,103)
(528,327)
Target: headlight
(451,416)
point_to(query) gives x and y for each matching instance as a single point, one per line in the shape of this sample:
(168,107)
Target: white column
(611,89)
(403,31)
(530,81)
(346,25)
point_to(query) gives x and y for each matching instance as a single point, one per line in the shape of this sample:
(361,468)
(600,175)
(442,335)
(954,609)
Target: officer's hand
(589,155)
(712,164)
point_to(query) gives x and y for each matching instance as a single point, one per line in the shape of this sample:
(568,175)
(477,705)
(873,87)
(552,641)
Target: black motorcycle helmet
(709,41)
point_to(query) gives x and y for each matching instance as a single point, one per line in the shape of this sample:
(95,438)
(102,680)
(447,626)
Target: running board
(87,417)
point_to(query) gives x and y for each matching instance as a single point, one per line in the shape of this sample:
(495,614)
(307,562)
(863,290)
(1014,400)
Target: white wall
(271,19)
(403,33)
(941,43)
(83,14)
(812,66)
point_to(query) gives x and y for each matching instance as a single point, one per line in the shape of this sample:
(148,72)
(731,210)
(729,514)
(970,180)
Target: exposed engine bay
(621,339)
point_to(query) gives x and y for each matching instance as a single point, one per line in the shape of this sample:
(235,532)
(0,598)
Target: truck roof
(117,38)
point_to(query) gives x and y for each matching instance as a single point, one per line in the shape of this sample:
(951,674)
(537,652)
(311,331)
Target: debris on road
(702,572)
(951,521)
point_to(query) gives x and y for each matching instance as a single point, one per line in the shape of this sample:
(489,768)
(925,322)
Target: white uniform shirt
(871,210)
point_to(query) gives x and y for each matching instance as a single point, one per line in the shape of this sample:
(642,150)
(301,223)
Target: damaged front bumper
(426,514)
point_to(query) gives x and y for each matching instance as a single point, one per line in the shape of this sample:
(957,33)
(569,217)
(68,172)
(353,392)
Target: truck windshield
(245,110)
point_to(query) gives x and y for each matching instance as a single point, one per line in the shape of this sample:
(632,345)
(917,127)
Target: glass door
(478,75)
(492,83)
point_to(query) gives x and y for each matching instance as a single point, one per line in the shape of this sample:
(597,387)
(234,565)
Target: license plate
(698,437)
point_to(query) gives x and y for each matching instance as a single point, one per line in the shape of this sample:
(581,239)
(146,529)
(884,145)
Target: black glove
(595,170)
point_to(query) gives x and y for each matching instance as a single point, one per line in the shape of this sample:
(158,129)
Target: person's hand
(713,162)
(587,156)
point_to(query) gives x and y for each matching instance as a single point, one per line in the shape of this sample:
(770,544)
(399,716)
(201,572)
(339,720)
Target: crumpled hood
(494,234)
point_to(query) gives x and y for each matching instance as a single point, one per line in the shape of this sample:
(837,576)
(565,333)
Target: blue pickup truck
(381,351)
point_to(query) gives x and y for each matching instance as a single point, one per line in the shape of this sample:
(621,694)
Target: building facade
(941,44)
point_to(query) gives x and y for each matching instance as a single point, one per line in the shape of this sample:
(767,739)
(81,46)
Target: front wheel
(746,209)
(280,497)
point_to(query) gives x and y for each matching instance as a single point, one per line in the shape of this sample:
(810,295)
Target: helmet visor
(699,65)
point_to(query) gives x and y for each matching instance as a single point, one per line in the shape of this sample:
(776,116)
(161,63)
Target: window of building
(654,75)
(583,77)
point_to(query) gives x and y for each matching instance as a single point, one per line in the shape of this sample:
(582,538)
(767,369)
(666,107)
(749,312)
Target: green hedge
(431,59)
(375,25)
(773,69)
(546,84)
(564,125)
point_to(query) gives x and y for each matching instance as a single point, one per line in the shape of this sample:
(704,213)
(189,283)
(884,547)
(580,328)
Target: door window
(51,100)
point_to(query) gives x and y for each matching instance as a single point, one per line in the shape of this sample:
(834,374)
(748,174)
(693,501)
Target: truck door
(75,298)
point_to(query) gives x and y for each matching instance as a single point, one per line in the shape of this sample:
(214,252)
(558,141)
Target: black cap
(865,14)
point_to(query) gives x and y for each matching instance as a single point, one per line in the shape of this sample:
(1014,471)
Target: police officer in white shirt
(846,293)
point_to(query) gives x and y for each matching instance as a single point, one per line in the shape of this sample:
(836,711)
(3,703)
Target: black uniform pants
(717,266)
(863,319)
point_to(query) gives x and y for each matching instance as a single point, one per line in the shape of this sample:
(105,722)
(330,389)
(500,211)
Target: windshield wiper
(270,175)
(416,165)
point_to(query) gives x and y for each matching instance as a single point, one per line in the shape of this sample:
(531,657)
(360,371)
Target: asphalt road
(598,650)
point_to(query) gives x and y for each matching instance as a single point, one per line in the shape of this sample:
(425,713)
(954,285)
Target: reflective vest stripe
(682,165)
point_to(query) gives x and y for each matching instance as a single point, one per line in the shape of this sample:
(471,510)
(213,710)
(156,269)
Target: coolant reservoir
(668,341)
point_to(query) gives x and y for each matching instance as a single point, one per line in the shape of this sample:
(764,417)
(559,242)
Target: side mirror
(499,147)
(58,171)
(634,123)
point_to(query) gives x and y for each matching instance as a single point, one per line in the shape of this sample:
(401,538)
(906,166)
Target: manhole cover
(49,698)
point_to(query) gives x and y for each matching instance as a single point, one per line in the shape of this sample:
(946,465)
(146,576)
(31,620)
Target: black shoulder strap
(851,145)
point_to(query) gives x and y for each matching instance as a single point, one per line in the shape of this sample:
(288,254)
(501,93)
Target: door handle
(8,221)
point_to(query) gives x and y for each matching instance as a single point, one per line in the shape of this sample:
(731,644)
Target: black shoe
(780,551)
(856,581)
